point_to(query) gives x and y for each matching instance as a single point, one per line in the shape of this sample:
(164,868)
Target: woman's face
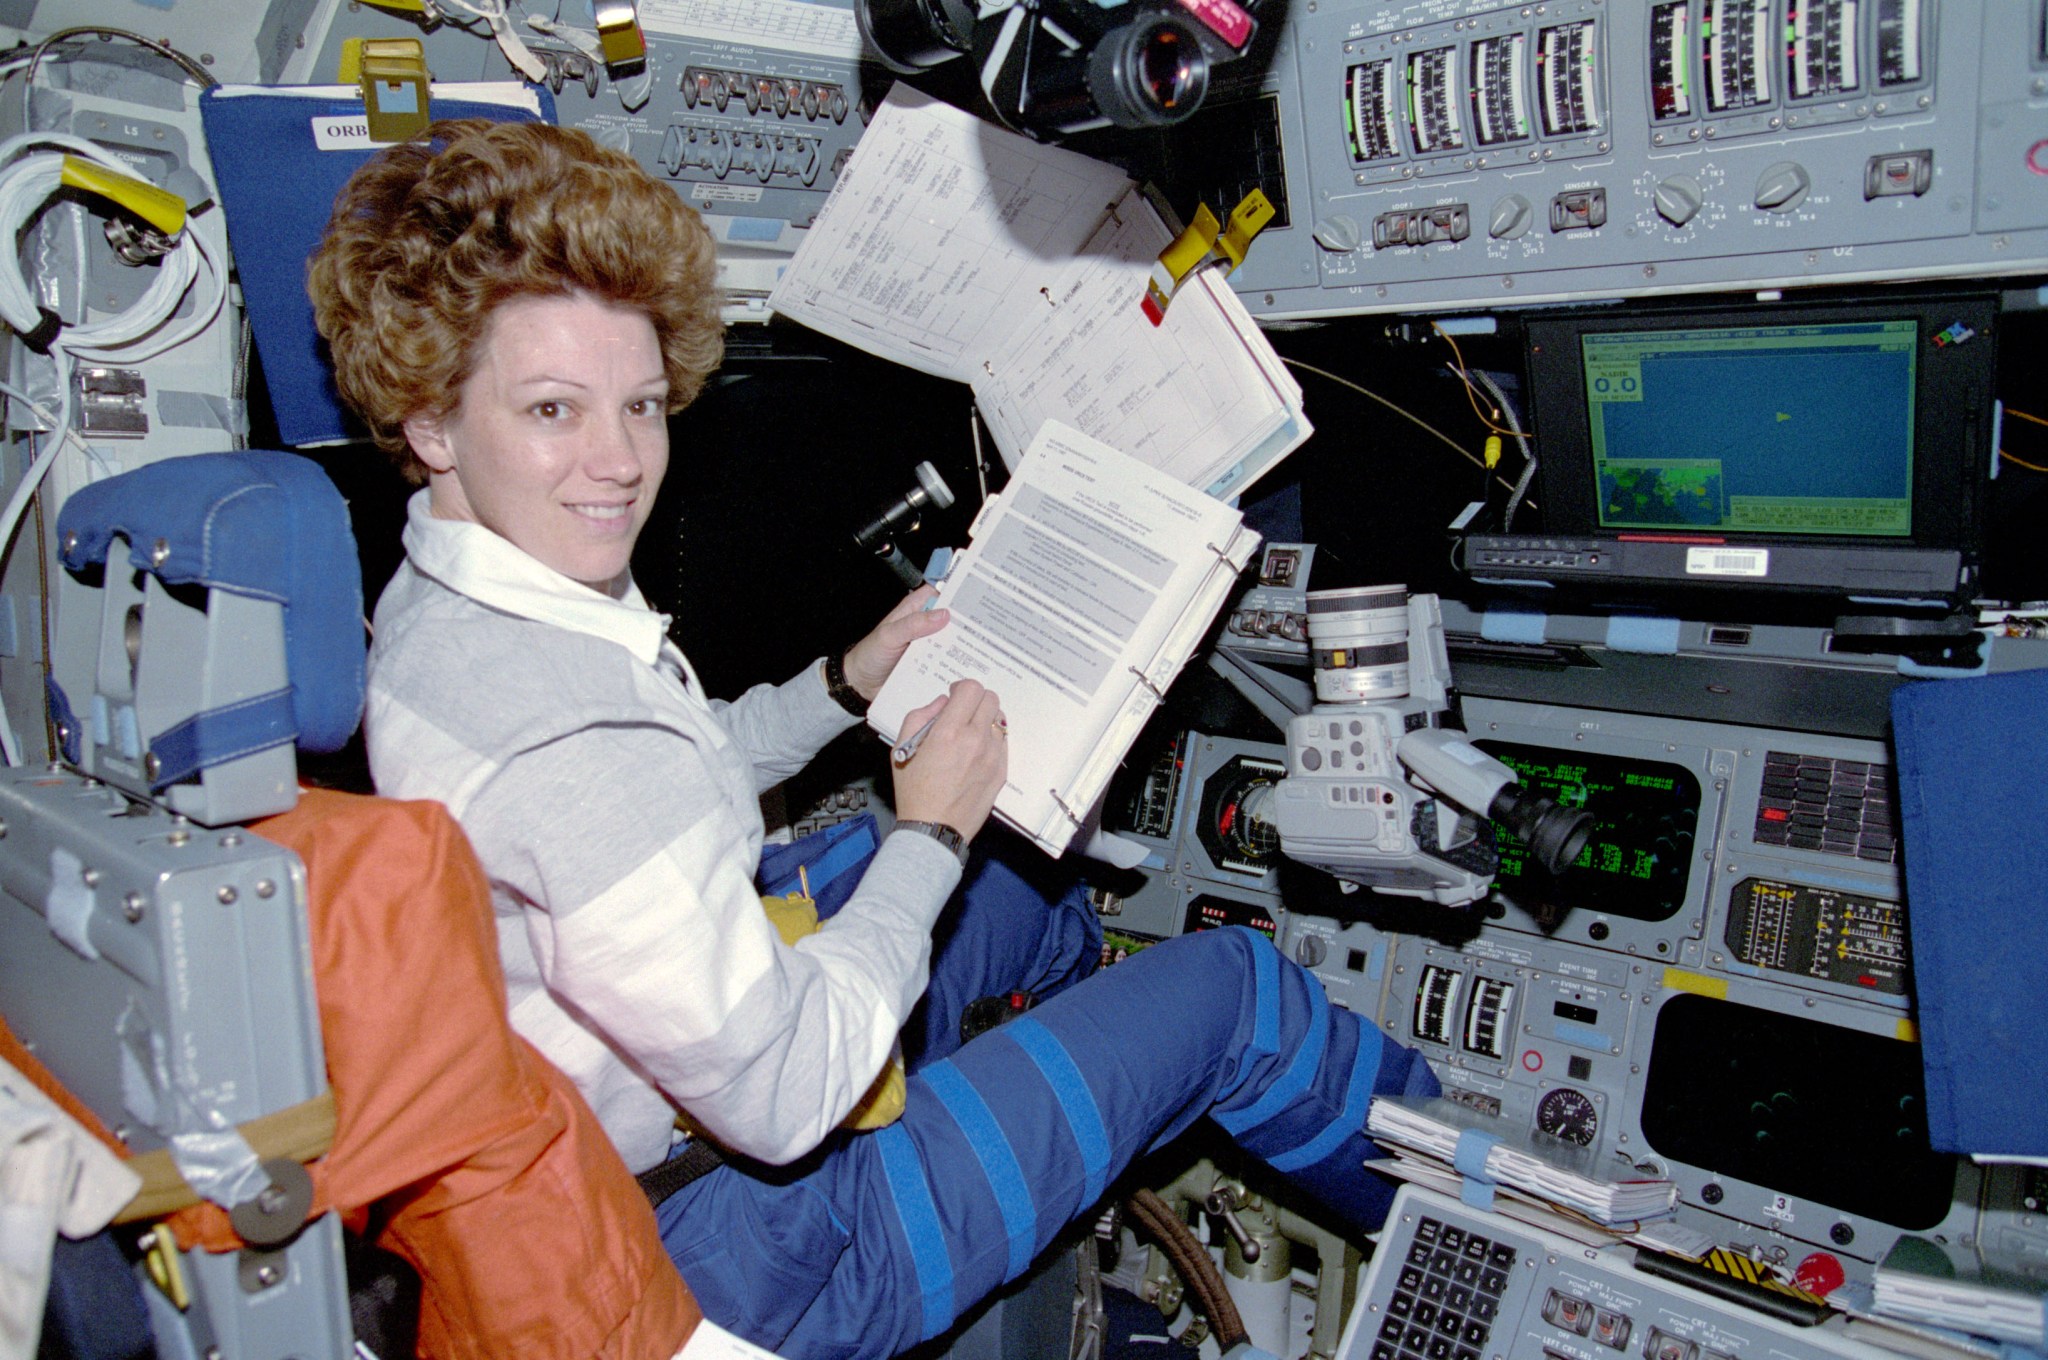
(559,438)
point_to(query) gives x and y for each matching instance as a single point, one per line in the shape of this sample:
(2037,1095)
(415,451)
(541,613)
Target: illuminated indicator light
(1776,815)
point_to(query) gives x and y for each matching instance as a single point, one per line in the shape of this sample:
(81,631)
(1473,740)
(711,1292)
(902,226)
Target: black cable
(1191,1259)
(190,67)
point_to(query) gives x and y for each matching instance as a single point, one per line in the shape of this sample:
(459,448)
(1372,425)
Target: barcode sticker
(1727,561)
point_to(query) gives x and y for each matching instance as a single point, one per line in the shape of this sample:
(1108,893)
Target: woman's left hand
(869,661)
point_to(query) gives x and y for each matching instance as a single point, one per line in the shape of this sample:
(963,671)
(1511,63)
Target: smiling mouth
(603,511)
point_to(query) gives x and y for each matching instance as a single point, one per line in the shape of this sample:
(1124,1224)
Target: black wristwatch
(843,694)
(940,832)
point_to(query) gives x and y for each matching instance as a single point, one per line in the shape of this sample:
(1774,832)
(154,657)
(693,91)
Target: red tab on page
(1225,18)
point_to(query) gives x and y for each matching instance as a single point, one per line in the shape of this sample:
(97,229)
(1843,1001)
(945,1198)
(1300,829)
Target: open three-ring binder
(1088,582)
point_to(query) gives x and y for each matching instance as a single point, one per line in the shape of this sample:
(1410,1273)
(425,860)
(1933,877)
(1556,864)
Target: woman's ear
(428,438)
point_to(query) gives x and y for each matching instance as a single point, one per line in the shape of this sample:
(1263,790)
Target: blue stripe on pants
(998,1159)
(880,1240)
(920,1219)
(1084,1116)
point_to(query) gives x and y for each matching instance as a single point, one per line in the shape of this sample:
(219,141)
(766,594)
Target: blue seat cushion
(256,523)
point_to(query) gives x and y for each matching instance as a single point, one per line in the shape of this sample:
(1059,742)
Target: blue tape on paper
(1470,1161)
(1471,1154)
(1513,625)
(1634,633)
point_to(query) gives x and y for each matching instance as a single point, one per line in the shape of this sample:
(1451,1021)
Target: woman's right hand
(957,770)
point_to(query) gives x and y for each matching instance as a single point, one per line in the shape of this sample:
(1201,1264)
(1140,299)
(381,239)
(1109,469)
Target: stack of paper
(1991,1294)
(1537,1165)
(971,253)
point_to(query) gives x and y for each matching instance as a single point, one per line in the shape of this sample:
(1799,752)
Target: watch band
(940,832)
(843,694)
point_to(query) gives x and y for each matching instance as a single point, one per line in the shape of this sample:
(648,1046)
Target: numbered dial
(1569,1115)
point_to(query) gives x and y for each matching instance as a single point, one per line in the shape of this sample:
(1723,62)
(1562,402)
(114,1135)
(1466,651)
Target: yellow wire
(1472,389)
(2021,462)
(2024,416)
(1474,459)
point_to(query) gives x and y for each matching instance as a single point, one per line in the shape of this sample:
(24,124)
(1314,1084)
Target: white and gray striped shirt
(617,815)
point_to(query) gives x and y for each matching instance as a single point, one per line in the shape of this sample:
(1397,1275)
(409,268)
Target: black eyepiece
(1149,73)
(1554,834)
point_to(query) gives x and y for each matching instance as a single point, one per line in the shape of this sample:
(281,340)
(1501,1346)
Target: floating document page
(972,253)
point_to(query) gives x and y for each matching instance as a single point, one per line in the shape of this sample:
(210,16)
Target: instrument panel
(1429,155)
(1484,155)
(1716,992)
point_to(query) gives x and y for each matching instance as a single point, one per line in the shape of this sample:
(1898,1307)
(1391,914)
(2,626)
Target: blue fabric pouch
(1972,803)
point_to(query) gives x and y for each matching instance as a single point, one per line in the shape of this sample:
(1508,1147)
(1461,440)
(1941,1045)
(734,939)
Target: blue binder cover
(280,156)
(1973,797)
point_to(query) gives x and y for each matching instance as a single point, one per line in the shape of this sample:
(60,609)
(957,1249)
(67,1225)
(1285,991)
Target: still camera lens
(914,35)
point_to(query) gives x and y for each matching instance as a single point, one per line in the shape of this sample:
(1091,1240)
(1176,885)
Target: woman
(514,311)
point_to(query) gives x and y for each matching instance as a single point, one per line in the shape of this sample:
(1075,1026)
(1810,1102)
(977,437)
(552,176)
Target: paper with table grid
(968,252)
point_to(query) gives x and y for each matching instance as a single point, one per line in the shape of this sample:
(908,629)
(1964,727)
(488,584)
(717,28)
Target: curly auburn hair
(430,237)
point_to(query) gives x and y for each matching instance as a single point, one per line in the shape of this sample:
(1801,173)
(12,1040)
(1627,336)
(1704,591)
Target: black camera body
(1050,68)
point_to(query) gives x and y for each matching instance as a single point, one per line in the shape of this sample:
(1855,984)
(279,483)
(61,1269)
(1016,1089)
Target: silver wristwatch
(940,832)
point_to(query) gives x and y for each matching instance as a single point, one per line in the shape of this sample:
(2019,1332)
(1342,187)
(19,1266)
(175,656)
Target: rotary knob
(1510,218)
(1339,235)
(1782,187)
(1678,199)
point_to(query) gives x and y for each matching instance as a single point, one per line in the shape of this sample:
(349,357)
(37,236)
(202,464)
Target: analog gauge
(1569,1115)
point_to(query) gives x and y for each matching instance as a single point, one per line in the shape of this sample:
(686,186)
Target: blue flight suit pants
(880,1240)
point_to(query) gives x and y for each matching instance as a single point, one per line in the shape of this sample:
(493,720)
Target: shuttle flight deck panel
(1479,155)
(1717,992)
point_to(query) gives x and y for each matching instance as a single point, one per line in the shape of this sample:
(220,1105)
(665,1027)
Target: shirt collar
(477,562)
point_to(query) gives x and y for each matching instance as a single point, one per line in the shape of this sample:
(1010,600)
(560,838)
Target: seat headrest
(267,525)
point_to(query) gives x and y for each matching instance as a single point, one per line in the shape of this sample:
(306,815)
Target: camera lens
(1359,639)
(1151,72)
(909,36)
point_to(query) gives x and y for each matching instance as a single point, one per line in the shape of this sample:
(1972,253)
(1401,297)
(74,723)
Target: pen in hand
(907,748)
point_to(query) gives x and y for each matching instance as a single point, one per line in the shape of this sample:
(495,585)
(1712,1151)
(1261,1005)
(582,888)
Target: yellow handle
(160,208)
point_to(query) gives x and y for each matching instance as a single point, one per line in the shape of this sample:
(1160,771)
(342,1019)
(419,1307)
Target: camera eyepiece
(1151,72)
(1555,834)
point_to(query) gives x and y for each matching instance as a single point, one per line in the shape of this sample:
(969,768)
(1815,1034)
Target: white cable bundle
(27,182)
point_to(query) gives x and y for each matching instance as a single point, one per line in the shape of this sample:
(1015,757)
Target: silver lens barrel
(1358,639)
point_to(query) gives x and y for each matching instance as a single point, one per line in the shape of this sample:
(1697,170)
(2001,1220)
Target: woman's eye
(548,410)
(646,406)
